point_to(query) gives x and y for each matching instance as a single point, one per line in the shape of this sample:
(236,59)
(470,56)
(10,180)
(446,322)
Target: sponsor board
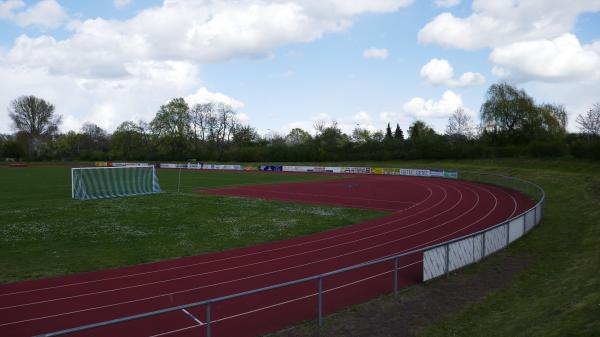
(356,170)
(101,164)
(377,170)
(222,167)
(436,173)
(274,168)
(451,174)
(128,164)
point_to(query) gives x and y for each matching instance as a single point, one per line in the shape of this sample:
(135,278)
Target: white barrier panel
(222,167)
(495,240)
(434,263)
(530,220)
(538,213)
(460,253)
(478,247)
(167,165)
(356,170)
(515,229)
(130,164)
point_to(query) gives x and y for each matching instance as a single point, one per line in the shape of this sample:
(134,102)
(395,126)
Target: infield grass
(43,232)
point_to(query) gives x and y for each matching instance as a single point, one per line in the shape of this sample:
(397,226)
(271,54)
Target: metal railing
(438,259)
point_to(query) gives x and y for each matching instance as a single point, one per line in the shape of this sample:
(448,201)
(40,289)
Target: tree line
(512,125)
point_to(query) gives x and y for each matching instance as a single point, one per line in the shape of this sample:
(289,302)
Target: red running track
(425,211)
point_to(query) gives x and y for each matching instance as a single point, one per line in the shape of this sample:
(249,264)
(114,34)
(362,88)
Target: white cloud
(8,7)
(446,3)
(46,14)
(440,72)
(496,23)
(559,59)
(202,95)
(121,3)
(376,53)
(109,68)
(419,108)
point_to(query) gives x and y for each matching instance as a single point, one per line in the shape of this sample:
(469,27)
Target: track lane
(408,232)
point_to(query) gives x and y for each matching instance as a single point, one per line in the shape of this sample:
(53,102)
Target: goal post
(111,182)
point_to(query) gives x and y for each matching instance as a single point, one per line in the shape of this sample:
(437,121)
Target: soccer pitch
(44,232)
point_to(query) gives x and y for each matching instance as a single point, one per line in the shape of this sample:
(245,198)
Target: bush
(547,149)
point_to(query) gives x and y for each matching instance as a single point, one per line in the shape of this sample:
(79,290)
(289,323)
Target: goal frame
(73,169)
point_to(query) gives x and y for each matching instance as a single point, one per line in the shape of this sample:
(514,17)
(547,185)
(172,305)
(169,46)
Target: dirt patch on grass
(418,306)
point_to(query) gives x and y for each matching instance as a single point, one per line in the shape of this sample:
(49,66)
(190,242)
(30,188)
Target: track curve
(425,211)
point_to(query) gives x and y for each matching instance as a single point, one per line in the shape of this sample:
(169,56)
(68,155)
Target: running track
(425,211)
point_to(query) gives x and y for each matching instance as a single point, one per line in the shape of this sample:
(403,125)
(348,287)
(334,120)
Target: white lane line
(253,276)
(248,254)
(246,265)
(192,317)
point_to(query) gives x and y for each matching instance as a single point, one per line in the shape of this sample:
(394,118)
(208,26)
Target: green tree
(297,136)
(420,130)
(398,134)
(172,126)
(388,133)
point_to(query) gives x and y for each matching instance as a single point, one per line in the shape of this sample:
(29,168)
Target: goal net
(110,182)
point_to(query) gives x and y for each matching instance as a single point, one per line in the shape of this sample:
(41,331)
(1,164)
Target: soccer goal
(110,182)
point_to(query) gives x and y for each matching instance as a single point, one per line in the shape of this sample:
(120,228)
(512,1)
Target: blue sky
(285,64)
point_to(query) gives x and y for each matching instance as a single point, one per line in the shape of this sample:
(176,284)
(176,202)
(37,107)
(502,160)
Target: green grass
(559,292)
(43,232)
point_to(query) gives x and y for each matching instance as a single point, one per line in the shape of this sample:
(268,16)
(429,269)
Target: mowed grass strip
(43,232)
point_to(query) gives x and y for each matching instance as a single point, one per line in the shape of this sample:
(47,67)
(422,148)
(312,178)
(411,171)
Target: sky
(284,63)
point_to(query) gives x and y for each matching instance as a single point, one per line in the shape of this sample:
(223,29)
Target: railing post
(320,300)
(396,276)
(447,259)
(508,232)
(208,333)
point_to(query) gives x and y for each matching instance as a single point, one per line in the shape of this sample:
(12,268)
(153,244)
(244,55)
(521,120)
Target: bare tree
(460,125)
(35,118)
(200,114)
(589,123)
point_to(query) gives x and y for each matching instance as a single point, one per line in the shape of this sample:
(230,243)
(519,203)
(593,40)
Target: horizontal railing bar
(305,279)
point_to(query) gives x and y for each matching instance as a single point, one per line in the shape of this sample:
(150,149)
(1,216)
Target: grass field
(557,293)
(43,232)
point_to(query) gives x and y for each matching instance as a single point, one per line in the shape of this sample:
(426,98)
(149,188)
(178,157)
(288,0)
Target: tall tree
(297,136)
(589,123)
(420,130)
(398,134)
(460,125)
(172,123)
(507,110)
(35,118)
(388,132)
